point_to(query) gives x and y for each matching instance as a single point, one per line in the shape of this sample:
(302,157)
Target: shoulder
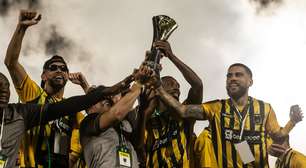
(260,101)
(213,102)
(262,104)
(88,125)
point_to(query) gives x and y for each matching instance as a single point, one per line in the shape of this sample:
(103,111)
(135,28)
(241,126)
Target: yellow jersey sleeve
(210,108)
(298,160)
(28,90)
(79,118)
(272,126)
(75,146)
(204,152)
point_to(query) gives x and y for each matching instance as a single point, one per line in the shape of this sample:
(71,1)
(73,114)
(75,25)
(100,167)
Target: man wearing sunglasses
(55,142)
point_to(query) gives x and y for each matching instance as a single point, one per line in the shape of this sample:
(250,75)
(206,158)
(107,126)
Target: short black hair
(165,79)
(246,68)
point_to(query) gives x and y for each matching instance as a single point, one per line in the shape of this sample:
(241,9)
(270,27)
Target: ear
(250,82)
(43,77)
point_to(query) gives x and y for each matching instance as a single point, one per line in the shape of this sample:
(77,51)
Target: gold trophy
(163,26)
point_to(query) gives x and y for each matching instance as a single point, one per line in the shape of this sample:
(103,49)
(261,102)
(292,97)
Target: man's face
(172,87)
(238,82)
(4,93)
(56,75)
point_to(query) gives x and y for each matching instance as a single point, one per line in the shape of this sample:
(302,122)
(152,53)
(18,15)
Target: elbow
(9,63)
(198,85)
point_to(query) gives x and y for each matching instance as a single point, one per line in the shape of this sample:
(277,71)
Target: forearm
(85,86)
(284,131)
(120,109)
(143,114)
(191,77)
(184,111)
(72,160)
(195,95)
(16,70)
(277,131)
(13,51)
(117,88)
(73,104)
(171,102)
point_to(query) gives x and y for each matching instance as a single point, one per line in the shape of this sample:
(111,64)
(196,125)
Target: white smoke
(111,38)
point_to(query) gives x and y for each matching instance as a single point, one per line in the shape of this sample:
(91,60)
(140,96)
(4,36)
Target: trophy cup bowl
(163,27)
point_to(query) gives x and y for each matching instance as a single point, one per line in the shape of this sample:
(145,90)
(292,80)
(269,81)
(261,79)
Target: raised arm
(125,104)
(70,106)
(16,70)
(195,94)
(147,105)
(273,127)
(184,111)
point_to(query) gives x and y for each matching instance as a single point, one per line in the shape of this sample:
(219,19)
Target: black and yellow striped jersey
(30,92)
(291,159)
(225,126)
(166,142)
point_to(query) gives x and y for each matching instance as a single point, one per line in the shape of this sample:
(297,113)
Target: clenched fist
(28,18)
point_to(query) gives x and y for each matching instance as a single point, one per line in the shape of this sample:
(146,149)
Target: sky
(106,40)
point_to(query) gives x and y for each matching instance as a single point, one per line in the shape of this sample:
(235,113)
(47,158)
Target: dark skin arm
(195,94)
(147,106)
(184,111)
(16,70)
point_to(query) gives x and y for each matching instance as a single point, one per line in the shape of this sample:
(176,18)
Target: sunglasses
(54,67)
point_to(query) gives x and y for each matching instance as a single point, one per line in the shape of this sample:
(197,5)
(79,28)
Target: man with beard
(50,145)
(240,124)
(168,140)
(15,119)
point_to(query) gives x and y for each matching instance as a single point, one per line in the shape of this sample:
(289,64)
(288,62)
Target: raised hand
(165,47)
(28,18)
(277,150)
(296,114)
(143,74)
(79,79)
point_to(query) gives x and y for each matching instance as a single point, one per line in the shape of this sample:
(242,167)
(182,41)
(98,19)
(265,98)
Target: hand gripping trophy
(163,26)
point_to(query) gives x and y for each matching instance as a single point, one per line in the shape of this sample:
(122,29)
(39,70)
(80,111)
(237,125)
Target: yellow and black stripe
(166,144)
(284,162)
(225,127)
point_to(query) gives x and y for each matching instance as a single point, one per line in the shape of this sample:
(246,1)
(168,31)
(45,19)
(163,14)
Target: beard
(237,93)
(56,85)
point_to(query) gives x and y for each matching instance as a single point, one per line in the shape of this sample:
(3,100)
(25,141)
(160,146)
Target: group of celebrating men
(47,130)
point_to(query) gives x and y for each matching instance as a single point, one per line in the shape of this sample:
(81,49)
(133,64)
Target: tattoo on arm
(194,111)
